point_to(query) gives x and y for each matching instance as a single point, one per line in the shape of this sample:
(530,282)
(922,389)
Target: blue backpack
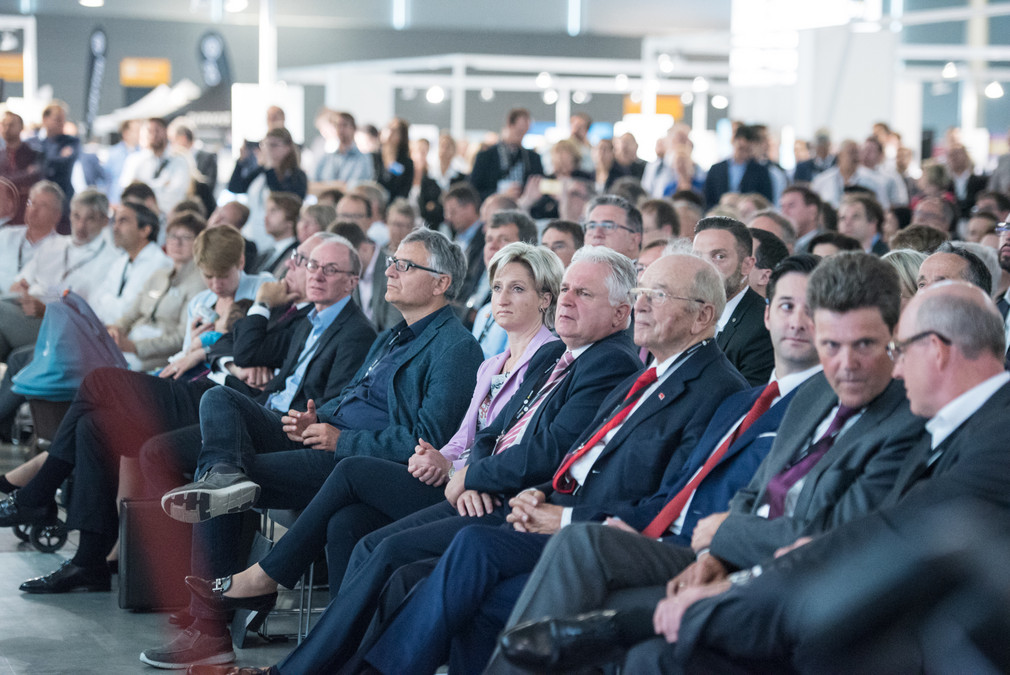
(72,342)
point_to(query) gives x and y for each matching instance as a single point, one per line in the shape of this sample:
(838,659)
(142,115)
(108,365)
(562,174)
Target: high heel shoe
(213,593)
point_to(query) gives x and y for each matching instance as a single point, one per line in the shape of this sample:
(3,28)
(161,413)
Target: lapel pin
(661,396)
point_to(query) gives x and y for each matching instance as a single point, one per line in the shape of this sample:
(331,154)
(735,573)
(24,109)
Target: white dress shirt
(16,252)
(59,265)
(125,280)
(168,175)
(951,416)
(580,469)
(731,306)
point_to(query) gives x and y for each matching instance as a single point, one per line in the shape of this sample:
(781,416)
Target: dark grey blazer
(972,465)
(851,480)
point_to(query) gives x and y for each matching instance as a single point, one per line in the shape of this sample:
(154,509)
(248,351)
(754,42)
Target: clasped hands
(304,427)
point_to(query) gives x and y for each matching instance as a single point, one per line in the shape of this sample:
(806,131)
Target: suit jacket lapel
(769,421)
(818,402)
(299,337)
(735,320)
(671,389)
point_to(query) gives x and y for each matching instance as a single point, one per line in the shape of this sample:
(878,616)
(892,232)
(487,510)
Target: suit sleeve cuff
(259,309)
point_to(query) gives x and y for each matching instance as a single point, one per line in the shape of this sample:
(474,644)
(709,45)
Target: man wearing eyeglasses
(415,383)
(837,454)
(613,222)
(948,349)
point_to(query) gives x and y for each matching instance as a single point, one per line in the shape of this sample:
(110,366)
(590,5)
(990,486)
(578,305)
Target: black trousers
(115,412)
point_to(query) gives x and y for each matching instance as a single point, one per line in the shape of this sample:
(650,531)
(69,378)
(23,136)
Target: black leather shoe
(69,577)
(213,594)
(584,640)
(11,513)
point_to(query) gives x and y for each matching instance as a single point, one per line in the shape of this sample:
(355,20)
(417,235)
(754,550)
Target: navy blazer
(756,178)
(731,473)
(745,340)
(653,443)
(428,393)
(557,422)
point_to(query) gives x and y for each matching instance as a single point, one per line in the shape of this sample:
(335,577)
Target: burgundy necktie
(563,481)
(671,512)
(778,487)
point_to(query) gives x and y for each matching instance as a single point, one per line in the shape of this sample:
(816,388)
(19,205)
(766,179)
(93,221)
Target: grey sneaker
(191,647)
(216,494)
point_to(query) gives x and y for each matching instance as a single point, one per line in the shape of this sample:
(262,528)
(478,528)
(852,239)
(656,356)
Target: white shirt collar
(793,380)
(731,306)
(952,415)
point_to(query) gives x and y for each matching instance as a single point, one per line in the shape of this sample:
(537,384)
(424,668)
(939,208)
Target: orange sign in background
(12,67)
(665,105)
(144,72)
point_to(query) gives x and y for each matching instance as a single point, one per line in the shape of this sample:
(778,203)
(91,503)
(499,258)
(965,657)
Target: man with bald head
(948,349)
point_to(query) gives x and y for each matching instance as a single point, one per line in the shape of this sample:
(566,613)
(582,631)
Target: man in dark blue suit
(729,453)
(741,173)
(661,432)
(621,455)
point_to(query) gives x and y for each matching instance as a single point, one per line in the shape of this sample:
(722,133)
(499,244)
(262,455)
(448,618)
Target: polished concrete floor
(81,632)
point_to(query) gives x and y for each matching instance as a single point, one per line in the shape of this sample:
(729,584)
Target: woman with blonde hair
(906,263)
(365,493)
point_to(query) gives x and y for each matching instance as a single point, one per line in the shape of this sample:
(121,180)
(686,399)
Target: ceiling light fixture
(435,94)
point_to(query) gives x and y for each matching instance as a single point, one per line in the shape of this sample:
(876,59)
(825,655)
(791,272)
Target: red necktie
(671,512)
(563,481)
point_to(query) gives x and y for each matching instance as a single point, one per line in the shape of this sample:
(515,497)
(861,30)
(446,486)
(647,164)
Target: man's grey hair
(987,255)
(632,215)
(622,277)
(93,200)
(975,328)
(57,192)
(524,224)
(331,238)
(443,255)
(708,285)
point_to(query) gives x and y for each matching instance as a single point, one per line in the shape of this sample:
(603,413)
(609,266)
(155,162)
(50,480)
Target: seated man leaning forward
(414,383)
